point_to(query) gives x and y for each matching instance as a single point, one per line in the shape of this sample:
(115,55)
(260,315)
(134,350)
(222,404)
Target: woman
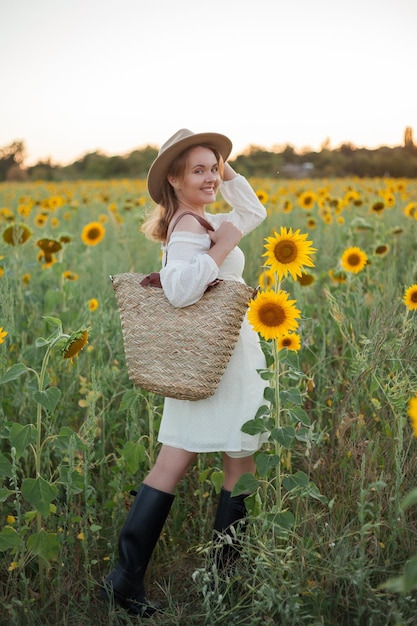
(183,180)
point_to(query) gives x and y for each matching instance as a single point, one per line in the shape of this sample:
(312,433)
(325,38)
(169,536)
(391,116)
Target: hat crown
(181,134)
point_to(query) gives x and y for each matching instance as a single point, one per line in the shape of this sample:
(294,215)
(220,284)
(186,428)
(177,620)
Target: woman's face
(201,179)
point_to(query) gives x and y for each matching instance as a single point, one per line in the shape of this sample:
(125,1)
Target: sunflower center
(286,342)
(414,297)
(271,314)
(354,259)
(94,233)
(285,251)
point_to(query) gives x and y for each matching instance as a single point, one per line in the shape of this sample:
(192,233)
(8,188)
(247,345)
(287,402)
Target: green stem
(278,446)
(38,451)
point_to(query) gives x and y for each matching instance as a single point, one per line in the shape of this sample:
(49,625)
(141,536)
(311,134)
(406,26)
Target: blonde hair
(155,226)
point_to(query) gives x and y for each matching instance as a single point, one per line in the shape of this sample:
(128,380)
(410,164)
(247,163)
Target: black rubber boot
(230,518)
(137,540)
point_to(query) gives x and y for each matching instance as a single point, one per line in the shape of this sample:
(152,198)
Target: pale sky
(113,75)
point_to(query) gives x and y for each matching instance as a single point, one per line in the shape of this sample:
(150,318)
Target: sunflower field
(332,538)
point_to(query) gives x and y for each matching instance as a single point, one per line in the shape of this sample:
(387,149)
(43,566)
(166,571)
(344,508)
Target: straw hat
(172,148)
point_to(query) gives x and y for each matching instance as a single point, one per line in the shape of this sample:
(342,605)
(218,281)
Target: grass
(68,459)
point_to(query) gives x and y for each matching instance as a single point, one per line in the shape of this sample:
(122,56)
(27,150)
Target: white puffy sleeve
(247,212)
(189,269)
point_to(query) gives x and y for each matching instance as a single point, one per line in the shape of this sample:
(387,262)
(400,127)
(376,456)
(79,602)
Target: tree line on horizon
(285,162)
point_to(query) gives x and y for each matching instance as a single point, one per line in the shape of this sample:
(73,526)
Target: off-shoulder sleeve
(247,212)
(189,269)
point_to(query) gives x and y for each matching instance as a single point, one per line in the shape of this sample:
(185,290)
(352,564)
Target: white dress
(214,424)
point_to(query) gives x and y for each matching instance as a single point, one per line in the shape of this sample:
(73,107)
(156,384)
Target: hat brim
(159,168)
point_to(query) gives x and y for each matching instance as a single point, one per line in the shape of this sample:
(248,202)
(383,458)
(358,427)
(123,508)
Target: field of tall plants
(333,524)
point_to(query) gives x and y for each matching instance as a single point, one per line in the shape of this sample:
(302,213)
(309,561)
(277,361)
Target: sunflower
(288,252)
(389,199)
(272,314)
(6,214)
(307,200)
(24,210)
(75,343)
(337,276)
(40,220)
(16,234)
(410,298)
(378,207)
(93,304)
(68,275)
(262,196)
(3,334)
(354,260)
(93,233)
(291,341)
(351,195)
(412,413)
(305,279)
(382,249)
(410,210)
(267,279)
(49,247)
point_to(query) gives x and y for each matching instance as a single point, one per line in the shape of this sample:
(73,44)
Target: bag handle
(200,219)
(154,279)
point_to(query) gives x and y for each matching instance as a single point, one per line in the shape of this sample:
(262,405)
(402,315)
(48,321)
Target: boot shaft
(230,510)
(142,528)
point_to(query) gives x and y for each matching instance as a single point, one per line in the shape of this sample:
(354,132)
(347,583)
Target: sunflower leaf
(48,398)
(284,435)
(246,483)
(265,462)
(292,395)
(255,426)
(14,372)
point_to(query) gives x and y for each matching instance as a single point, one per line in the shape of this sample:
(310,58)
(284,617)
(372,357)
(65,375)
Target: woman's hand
(228,172)
(225,238)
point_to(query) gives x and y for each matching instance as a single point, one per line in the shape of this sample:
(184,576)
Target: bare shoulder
(188,223)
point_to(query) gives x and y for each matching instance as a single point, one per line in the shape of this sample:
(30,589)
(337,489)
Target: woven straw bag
(179,352)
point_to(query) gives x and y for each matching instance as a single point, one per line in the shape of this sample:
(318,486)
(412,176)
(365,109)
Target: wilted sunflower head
(68,275)
(272,314)
(16,234)
(305,279)
(288,252)
(378,207)
(381,249)
(75,343)
(49,246)
(338,277)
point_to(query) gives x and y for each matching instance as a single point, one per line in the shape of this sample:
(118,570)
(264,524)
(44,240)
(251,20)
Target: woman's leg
(141,530)
(235,467)
(170,467)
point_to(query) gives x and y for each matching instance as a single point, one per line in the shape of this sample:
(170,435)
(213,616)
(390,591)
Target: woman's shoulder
(185,222)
